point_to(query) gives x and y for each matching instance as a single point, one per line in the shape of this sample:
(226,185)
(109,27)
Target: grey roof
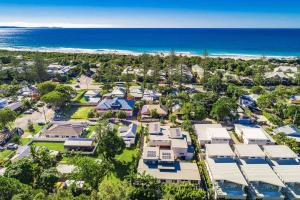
(154,128)
(248,150)
(279,151)
(290,131)
(219,150)
(288,173)
(183,171)
(228,171)
(129,131)
(201,130)
(65,129)
(262,173)
(65,169)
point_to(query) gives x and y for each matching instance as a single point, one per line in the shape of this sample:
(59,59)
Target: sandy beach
(127,52)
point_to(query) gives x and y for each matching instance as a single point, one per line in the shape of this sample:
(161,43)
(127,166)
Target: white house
(161,164)
(212,134)
(173,139)
(228,181)
(128,134)
(263,182)
(253,135)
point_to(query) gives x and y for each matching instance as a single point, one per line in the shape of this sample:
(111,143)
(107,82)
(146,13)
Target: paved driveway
(36,116)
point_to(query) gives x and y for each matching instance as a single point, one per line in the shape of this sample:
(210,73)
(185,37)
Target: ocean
(260,42)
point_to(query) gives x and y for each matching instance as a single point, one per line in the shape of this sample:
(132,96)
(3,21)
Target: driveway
(35,117)
(86,82)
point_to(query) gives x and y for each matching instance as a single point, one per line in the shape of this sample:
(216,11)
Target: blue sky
(152,13)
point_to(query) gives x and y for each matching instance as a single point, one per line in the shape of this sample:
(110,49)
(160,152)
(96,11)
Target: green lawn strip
(5,154)
(81,113)
(24,141)
(56,146)
(79,96)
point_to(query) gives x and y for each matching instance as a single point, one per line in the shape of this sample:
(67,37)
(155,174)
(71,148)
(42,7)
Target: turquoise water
(276,42)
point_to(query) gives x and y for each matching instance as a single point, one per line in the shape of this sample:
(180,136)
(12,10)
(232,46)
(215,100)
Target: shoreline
(134,53)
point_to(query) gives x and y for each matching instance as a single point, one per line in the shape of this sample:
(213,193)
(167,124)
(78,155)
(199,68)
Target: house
(212,134)
(248,101)
(285,164)
(116,104)
(151,95)
(128,134)
(58,69)
(172,139)
(64,130)
(135,92)
(253,134)
(154,111)
(154,128)
(263,182)
(29,91)
(161,164)
(65,169)
(22,152)
(91,94)
(3,103)
(15,106)
(295,99)
(290,130)
(227,179)
(79,144)
(199,71)
(118,92)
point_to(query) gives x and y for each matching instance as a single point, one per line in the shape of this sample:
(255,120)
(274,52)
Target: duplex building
(228,181)
(286,165)
(212,134)
(253,134)
(161,164)
(172,139)
(263,182)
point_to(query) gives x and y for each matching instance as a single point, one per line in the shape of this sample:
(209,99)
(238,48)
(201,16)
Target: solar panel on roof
(166,155)
(151,154)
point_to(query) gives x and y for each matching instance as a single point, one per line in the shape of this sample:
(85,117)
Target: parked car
(77,86)
(1,148)
(30,111)
(12,146)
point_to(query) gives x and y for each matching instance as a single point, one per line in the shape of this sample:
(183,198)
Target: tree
(214,83)
(257,90)
(66,90)
(145,187)
(91,171)
(46,87)
(30,127)
(121,114)
(266,101)
(22,170)
(173,118)
(113,190)
(182,191)
(235,91)
(224,108)
(56,99)
(40,69)
(6,117)
(110,144)
(199,112)
(47,179)
(9,187)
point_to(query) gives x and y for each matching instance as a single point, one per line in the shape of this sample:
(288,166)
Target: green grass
(81,113)
(56,146)
(37,128)
(90,131)
(5,154)
(80,97)
(24,141)
(127,156)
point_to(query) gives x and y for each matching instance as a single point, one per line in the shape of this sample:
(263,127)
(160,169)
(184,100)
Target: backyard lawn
(5,154)
(80,97)
(90,131)
(81,113)
(56,146)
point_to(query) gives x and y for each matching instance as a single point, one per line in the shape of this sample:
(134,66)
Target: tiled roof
(116,103)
